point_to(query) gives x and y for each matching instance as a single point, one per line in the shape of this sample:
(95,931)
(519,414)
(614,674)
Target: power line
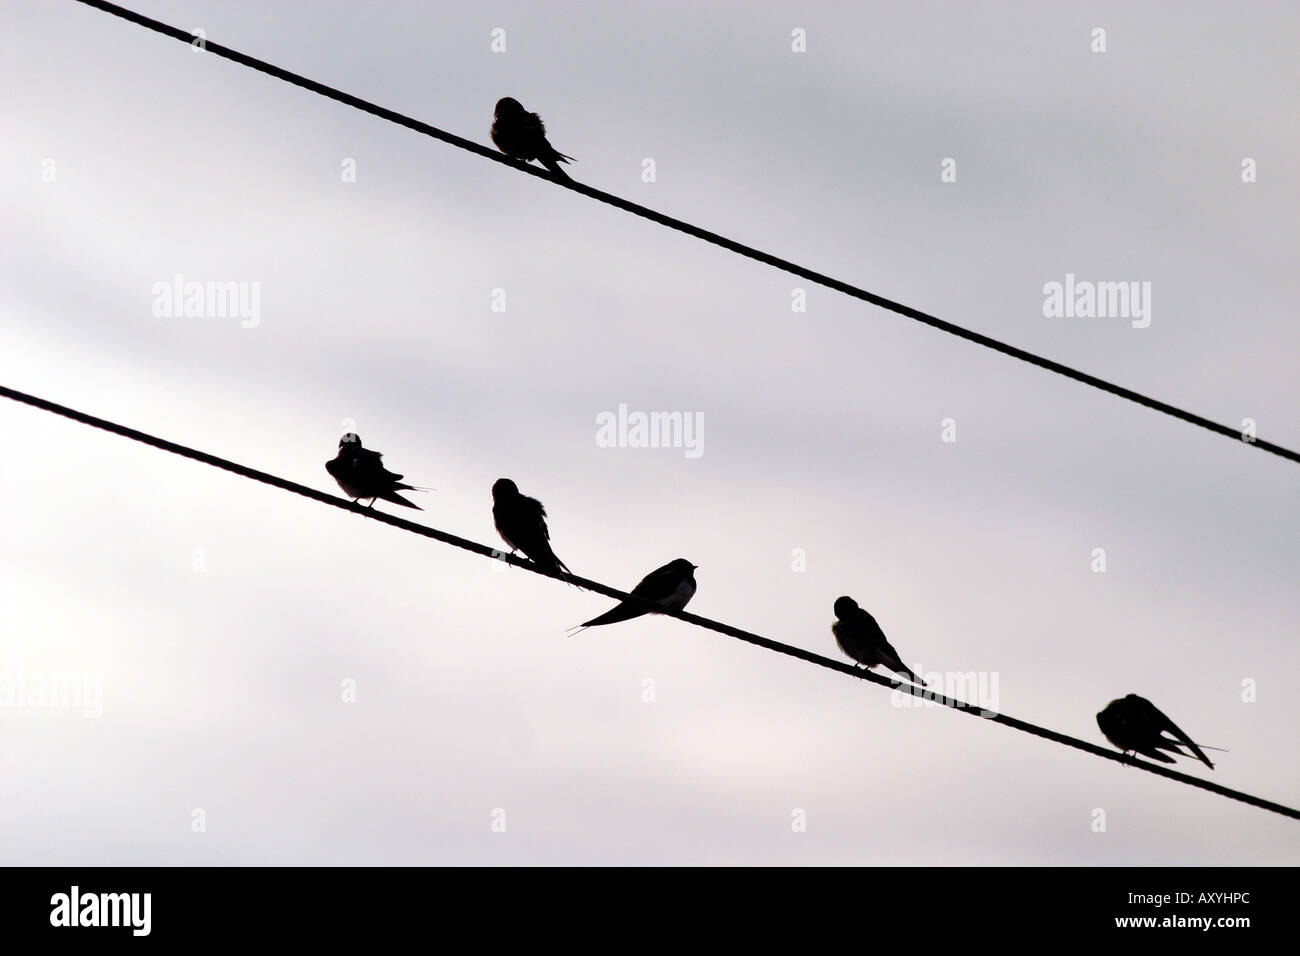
(704,622)
(711,237)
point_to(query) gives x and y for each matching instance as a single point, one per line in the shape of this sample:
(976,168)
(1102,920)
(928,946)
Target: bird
(361,474)
(521,522)
(860,637)
(521,135)
(670,587)
(1134,723)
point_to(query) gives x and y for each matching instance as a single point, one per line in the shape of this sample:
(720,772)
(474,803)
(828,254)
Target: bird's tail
(553,161)
(548,560)
(397,499)
(911,675)
(1198,751)
(1172,728)
(895,664)
(1155,754)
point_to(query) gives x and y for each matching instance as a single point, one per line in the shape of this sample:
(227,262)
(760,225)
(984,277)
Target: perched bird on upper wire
(860,637)
(361,474)
(521,522)
(521,135)
(1135,724)
(670,587)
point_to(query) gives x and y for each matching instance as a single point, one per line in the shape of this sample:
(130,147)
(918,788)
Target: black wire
(712,237)
(704,622)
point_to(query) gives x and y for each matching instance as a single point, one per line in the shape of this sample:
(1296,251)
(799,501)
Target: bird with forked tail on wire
(360,472)
(860,637)
(1135,724)
(521,522)
(522,135)
(670,587)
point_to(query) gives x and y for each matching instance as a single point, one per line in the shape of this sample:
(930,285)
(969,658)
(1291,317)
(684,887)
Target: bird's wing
(532,126)
(534,538)
(534,513)
(1160,722)
(524,519)
(371,465)
(875,638)
(871,630)
(885,651)
(892,658)
(658,584)
(895,663)
(532,123)
(1152,752)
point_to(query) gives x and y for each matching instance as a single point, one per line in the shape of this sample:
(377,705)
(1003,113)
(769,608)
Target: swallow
(520,135)
(1134,723)
(521,522)
(670,587)
(361,474)
(860,637)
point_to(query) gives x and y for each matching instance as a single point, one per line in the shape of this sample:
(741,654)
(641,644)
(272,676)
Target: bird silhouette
(361,474)
(860,637)
(671,587)
(521,522)
(1134,723)
(521,135)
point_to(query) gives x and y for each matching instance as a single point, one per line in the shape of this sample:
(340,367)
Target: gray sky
(224,616)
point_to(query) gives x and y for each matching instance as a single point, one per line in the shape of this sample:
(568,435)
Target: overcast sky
(225,621)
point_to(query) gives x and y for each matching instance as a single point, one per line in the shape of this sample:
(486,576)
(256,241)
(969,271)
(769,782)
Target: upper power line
(712,237)
(766,643)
